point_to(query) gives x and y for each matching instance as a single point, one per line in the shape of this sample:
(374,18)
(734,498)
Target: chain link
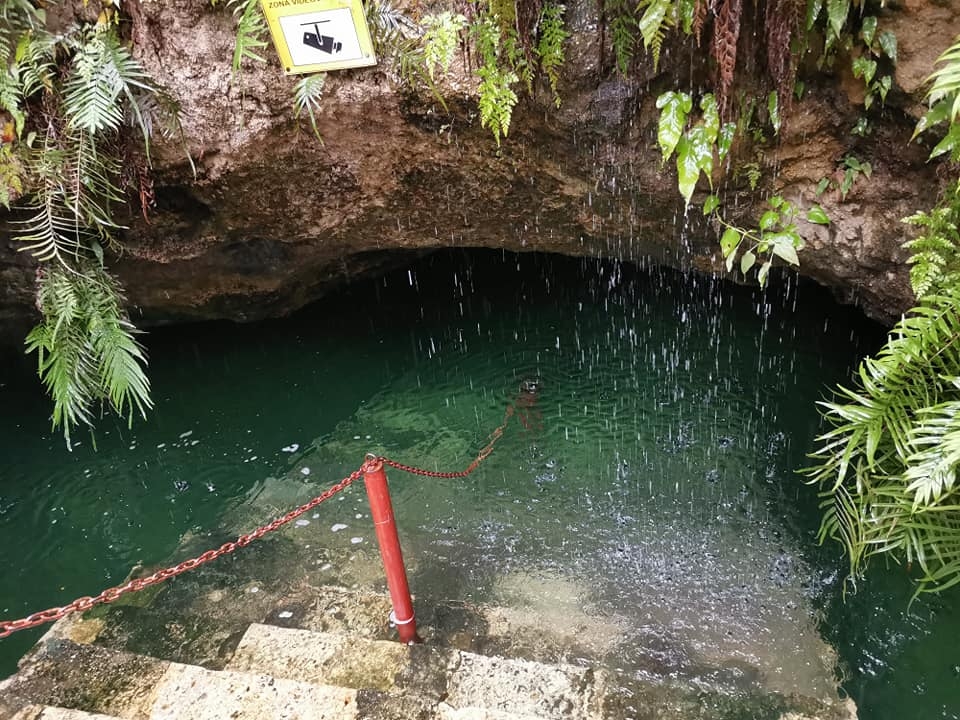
(481,456)
(83,604)
(8,627)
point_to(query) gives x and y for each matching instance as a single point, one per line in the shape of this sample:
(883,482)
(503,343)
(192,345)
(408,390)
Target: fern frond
(550,46)
(11,98)
(86,349)
(17,18)
(623,40)
(887,468)
(932,468)
(441,38)
(946,81)
(389,27)
(34,57)
(935,259)
(64,360)
(723,48)
(657,18)
(497,97)
(251,32)
(306,99)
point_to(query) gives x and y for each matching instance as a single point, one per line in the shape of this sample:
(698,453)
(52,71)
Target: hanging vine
(71,98)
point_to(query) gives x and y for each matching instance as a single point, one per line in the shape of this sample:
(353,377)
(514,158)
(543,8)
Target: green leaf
(822,186)
(711,118)
(888,41)
(702,150)
(782,246)
(307,94)
(763,272)
(949,144)
(688,169)
(725,139)
(883,86)
(730,241)
(776,202)
(769,219)
(747,261)
(651,26)
(837,11)
(848,177)
(864,67)
(868,29)
(934,116)
(674,108)
(687,9)
(773,108)
(814,7)
(817,215)
(710,204)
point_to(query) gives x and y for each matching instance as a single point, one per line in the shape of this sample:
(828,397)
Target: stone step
(63,680)
(451,684)
(87,678)
(40,712)
(463,682)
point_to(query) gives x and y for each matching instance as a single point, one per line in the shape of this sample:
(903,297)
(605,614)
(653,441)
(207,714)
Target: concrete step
(63,680)
(459,681)
(40,712)
(87,678)
(451,684)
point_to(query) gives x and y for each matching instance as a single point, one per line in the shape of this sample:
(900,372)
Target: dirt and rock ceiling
(275,217)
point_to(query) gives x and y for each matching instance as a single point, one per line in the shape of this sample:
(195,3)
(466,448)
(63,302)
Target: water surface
(648,486)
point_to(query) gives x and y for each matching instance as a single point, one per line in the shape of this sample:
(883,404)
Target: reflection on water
(644,491)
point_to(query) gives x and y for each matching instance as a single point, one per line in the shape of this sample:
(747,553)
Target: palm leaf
(306,99)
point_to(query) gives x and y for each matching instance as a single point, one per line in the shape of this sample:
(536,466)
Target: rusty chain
(8,627)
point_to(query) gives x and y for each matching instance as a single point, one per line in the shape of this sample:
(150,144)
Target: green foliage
(623,32)
(773,111)
(935,259)
(658,17)
(86,348)
(504,57)
(11,176)
(776,235)
(696,146)
(440,40)
(944,100)
(306,99)
(853,25)
(390,29)
(946,81)
(67,168)
(497,97)
(674,108)
(252,32)
(846,176)
(550,46)
(887,468)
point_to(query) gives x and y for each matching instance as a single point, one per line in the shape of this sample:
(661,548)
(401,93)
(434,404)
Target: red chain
(481,456)
(8,627)
(83,604)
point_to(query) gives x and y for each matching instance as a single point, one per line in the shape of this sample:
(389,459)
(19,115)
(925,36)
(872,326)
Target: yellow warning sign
(319,35)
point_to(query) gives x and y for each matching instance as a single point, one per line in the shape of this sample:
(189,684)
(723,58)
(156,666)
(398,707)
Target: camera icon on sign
(323,43)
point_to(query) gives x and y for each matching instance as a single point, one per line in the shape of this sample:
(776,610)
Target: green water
(651,479)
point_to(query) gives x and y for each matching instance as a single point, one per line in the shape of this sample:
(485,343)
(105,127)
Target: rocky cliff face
(274,218)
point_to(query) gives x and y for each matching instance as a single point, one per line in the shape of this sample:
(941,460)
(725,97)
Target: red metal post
(381,509)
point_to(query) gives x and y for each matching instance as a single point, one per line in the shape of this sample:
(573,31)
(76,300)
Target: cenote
(653,479)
